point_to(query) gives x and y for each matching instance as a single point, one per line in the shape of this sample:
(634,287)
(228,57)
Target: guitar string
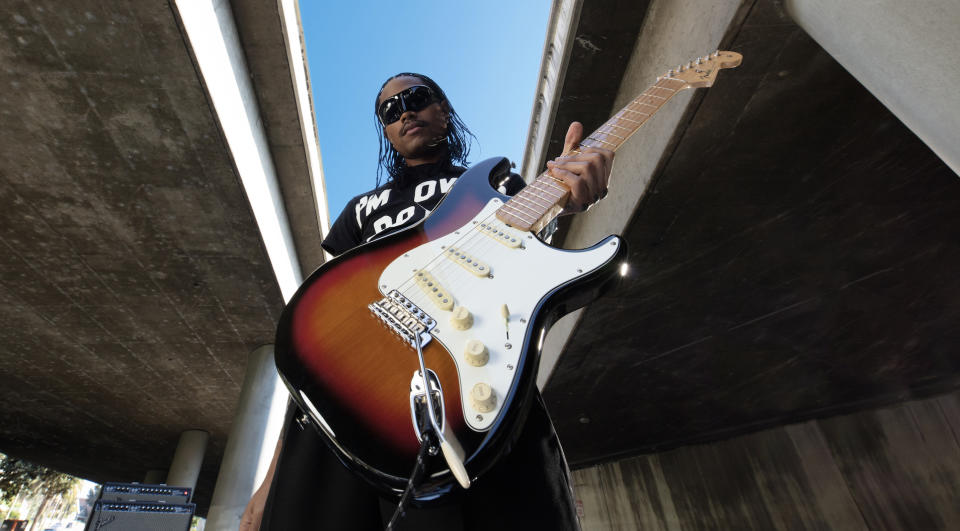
(409,283)
(461,243)
(432,265)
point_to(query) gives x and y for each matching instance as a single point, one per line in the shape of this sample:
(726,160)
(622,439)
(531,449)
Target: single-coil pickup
(501,234)
(435,292)
(468,262)
(404,318)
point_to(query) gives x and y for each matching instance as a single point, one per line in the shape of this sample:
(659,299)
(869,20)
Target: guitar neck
(542,200)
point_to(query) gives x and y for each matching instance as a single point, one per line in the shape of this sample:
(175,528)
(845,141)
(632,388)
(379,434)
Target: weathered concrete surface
(903,53)
(628,66)
(133,282)
(792,258)
(261,30)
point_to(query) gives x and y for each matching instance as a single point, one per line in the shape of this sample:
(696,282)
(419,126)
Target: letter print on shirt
(386,222)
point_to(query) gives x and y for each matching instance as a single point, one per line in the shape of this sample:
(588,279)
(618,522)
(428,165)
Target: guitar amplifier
(141,492)
(118,516)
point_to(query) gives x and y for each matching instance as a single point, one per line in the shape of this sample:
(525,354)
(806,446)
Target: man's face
(415,135)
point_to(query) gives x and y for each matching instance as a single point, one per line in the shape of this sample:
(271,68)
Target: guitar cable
(419,468)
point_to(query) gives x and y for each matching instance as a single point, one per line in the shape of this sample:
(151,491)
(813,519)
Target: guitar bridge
(404,318)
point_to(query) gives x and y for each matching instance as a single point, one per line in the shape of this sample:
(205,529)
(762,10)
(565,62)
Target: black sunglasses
(412,99)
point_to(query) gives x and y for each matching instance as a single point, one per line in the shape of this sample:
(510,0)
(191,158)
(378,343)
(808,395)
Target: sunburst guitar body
(472,285)
(483,291)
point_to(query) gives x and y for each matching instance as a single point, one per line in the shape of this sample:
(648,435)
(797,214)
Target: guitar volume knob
(461,318)
(476,353)
(483,398)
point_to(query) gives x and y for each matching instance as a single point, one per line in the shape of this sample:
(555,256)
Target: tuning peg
(699,60)
(679,68)
(716,53)
(690,64)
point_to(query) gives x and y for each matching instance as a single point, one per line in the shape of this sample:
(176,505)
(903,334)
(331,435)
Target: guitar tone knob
(476,353)
(461,318)
(483,398)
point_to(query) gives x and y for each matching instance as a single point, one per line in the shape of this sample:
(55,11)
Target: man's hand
(253,514)
(586,173)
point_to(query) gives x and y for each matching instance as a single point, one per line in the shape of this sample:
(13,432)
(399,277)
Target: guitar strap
(423,456)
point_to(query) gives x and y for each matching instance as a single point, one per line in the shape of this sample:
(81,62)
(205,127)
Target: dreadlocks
(457,139)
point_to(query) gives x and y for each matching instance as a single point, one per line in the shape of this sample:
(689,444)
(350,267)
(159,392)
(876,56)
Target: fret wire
(635,112)
(539,184)
(549,193)
(536,210)
(542,205)
(514,217)
(516,203)
(629,120)
(562,190)
(608,133)
(527,207)
(545,176)
(618,126)
(514,220)
(519,215)
(533,199)
(603,141)
(655,96)
(645,103)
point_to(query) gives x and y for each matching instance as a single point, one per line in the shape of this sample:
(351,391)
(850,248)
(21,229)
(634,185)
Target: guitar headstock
(702,71)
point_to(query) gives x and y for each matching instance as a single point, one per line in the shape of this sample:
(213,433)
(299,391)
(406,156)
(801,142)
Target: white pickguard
(521,277)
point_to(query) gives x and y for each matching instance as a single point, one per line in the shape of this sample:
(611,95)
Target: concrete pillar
(253,438)
(185,467)
(904,52)
(155,476)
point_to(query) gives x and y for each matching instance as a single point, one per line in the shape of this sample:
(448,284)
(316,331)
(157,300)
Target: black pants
(528,489)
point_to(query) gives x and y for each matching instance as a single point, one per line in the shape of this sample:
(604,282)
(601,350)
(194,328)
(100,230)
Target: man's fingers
(586,172)
(573,138)
(581,192)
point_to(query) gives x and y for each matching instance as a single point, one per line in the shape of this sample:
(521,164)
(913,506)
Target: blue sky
(485,55)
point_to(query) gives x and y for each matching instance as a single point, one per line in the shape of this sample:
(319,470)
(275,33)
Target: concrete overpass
(782,352)
(135,281)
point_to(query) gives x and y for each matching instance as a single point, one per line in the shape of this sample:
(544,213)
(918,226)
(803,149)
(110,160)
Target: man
(422,144)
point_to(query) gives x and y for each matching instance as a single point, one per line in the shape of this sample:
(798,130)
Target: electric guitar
(468,294)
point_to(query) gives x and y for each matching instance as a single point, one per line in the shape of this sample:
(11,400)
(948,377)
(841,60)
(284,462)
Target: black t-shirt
(312,490)
(400,203)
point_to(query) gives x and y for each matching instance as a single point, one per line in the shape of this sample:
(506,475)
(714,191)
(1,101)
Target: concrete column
(904,52)
(253,438)
(185,467)
(155,476)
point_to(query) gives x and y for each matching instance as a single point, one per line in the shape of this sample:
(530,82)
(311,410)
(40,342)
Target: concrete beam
(213,37)
(272,39)
(655,51)
(905,53)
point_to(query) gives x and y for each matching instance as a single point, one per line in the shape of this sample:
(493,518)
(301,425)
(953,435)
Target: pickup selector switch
(483,398)
(476,353)
(461,318)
